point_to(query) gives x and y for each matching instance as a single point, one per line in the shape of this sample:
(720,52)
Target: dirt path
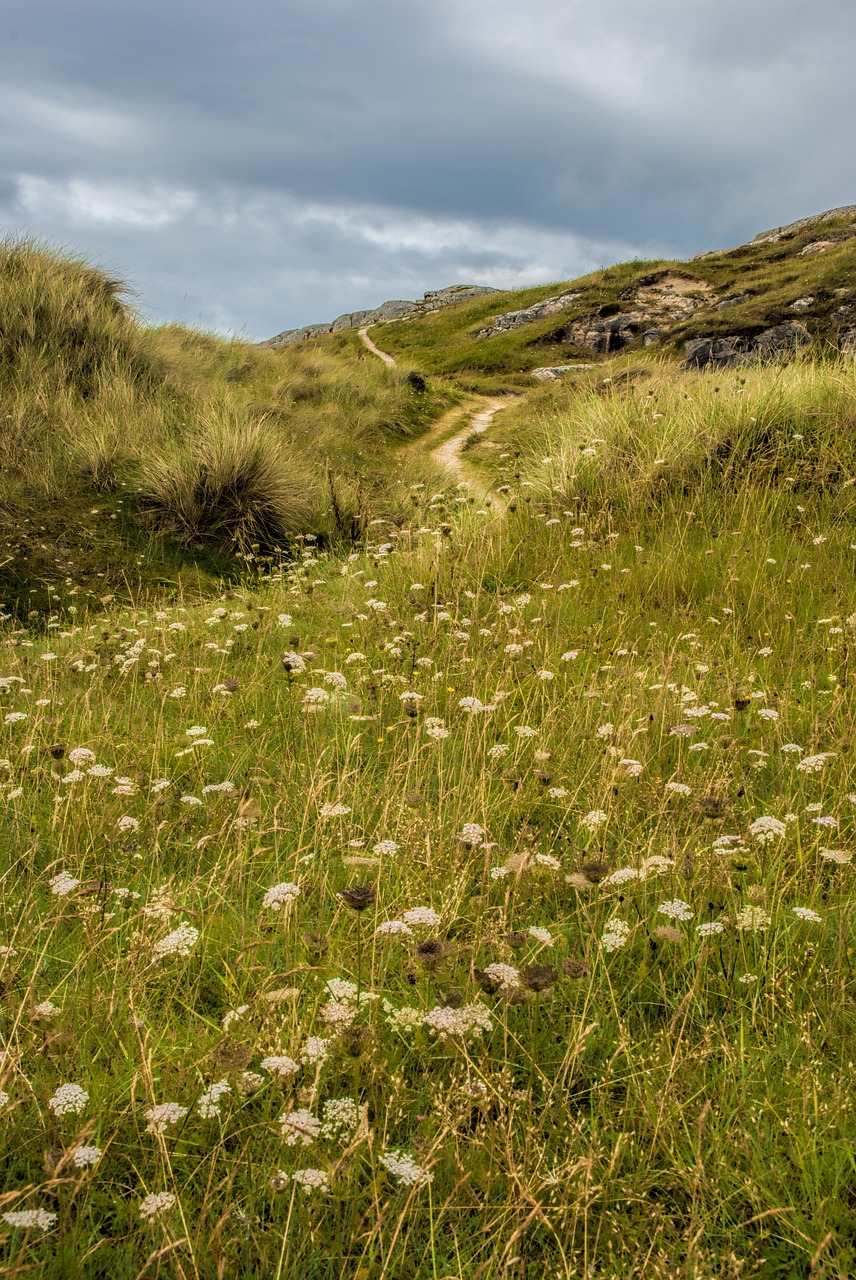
(475,417)
(376,351)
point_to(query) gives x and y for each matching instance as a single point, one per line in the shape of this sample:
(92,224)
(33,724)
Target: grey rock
(780,341)
(527,315)
(733,301)
(803,304)
(791,229)
(552,373)
(651,337)
(779,233)
(774,344)
(847,343)
(395,309)
(714,353)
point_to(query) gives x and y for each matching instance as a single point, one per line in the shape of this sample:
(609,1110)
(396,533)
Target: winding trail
(477,416)
(376,351)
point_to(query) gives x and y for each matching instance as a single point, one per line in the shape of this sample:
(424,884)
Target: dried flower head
(359,896)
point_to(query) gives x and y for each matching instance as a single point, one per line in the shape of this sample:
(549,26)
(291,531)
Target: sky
(251,167)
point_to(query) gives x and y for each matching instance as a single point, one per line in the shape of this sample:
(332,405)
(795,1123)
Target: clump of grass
(233,484)
(65,323)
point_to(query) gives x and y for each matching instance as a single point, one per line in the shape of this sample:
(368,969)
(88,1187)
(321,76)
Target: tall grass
(611,1032)
(176,438)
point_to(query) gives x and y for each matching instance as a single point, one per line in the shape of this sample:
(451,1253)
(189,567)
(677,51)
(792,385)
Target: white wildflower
(405,1169)
(280,1065)
(281,895)
(163,1115)
(208,1105)
(177,943)
(69,1099)
(152,1206)
(299,1128)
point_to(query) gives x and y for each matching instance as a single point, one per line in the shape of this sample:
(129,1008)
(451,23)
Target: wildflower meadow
(472,901)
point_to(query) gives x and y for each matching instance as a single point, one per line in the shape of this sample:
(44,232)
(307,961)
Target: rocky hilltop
(396,309)
(759,302)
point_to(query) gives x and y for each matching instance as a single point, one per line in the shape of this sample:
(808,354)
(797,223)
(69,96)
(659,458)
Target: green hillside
(762,280)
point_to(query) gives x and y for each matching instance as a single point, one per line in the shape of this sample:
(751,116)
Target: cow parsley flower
(69,1099)
(310,1180)
(806,913)
(469,1020)
(63,884)
(83,1157)
(299,1128)
(163,1115)
(208,1104)
(766,829)
(709,929)
(340,1118)
(615,934)
(280,1065)
(177,943)
(281,895)
(26,1219)
(422,916)
(677,909)
(405,1170)
(152,1206)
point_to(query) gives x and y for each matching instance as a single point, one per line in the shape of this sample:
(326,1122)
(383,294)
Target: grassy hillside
(125,449)
(477,903)
(765,280)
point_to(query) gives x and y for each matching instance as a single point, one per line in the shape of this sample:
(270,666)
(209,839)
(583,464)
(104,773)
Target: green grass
(661,1104)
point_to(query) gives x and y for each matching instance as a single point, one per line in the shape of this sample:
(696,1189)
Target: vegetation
(116,436)
(468,895)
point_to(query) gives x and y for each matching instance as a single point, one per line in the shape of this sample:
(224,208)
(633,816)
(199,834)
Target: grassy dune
(476,902)
(124,448)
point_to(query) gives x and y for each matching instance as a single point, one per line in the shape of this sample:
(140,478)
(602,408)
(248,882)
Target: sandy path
(476,416)
(376,351)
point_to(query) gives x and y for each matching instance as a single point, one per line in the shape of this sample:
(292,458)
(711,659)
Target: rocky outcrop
(396,309)
(655,303)
(802,224)
(528,315)
(772,345)
(552,373)
(792,229)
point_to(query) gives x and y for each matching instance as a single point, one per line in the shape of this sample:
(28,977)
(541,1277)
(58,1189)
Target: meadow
(473,899)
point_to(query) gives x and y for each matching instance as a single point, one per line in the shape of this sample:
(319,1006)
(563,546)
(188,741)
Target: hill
(785,289)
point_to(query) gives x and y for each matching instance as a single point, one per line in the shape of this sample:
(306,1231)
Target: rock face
(654,304)
(396,309)
(552,373)
(538,310)
(774,344)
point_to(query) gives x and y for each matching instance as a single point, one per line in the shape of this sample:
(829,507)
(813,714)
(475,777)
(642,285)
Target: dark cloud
(268,164)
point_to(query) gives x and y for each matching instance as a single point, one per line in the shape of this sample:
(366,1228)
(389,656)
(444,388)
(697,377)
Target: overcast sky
(254,166)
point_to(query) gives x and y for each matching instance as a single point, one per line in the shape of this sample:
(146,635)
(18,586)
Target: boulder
(847,343)
(714,353)
(552,373)
(527,315)
(774,344)
(780,342)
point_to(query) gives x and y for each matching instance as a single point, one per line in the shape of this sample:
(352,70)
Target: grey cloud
(669,125)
